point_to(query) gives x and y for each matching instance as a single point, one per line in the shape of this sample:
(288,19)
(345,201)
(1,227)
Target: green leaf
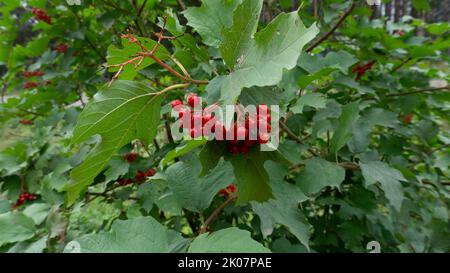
(270,95)
(389,178)
(252,180)
(229,240)
(117,167)
(182,150)
(343,133)
(15,227)
(137,235)
(341,60)
(192,192)
(209,19)
(315,100)
(283,209)
(38,212)
(318,174)
(273,49)
(363,127)
(210,155)
(238,38)
(120,113)
(117,55)
(421,4)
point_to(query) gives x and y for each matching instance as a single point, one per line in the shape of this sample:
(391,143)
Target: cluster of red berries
(41,15)
(241,135)
(228,190)
(255,130)
(407,118)
(360,70)
(31,85)
(26,122)
(62,48)
(29,74)
(139,178)
(23,197)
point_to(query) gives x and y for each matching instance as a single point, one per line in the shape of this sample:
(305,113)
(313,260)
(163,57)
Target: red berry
(194,133)
(183,112)
(228,190)
(176,103)
(150,172)
(140,176)
(262,109)
(407,119)
(250,143)
(206,118)
(197,120)
(234,149)
(243,149)
(26,122)
(131,157)
(41,15)
(231,188)
(263,138)
(219,130)
(241,133)
(193,100)
(30,85)
(62,48)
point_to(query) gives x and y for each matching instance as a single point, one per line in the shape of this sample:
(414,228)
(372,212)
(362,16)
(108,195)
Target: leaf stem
(216,212)
(333,29)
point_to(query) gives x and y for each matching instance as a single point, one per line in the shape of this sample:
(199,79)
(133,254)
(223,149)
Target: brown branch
(216,212)
(168,130)
(333,29)
(419,91)
(438,148)
(139,57)
(298,139)
(400,65)
(141,9)
(181,4)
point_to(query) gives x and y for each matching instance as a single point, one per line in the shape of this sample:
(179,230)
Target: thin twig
(333,29)
(137,59)
(400,65)
(216,212)
(181,4)
(298,139)
(438,148)
(419,91)
(141,9)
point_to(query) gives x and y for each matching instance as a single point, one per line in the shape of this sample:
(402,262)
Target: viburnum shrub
(224,126)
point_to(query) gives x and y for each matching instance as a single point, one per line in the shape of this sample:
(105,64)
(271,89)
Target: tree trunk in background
(375,10)
(398,10)
(316,8)
(388,10)
(405,7)
(295,4)
(440,11)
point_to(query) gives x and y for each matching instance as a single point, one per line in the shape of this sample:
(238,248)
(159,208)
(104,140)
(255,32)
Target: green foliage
(364,139)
